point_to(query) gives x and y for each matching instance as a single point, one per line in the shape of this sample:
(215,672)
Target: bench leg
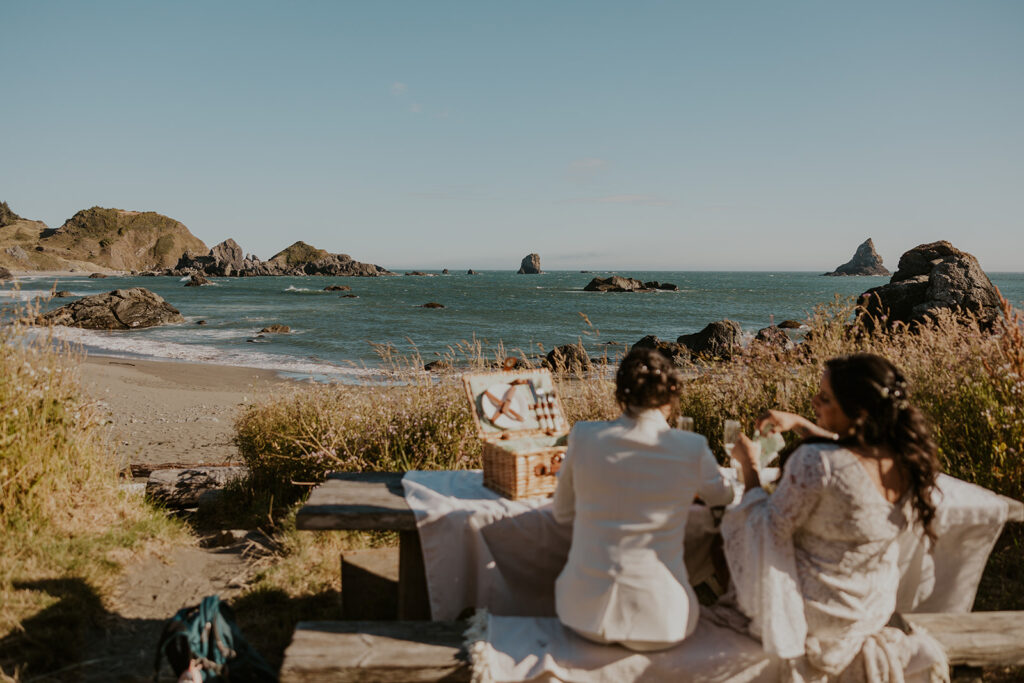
(413,600)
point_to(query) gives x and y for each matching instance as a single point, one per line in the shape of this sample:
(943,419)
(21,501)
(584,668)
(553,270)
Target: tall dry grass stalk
(65,525)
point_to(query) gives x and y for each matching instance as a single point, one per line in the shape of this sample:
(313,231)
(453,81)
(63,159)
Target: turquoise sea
(331,335)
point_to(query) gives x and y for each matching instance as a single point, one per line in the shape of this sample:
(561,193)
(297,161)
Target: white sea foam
(129,343)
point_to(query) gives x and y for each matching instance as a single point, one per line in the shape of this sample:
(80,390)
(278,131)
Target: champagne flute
(684,423)
(730,435)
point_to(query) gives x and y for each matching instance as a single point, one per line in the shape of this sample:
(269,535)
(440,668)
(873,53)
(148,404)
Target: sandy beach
(167,412)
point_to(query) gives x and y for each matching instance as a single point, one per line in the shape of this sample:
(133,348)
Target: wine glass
(684,423)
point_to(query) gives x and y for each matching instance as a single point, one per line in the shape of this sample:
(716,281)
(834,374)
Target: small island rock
(865,261)
(276,328)
(97,276)
(530,265)
(337,288)
(615,283)
(197,280)
(471,272)
(432,304)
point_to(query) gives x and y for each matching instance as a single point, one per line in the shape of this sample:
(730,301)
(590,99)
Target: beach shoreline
(167,412)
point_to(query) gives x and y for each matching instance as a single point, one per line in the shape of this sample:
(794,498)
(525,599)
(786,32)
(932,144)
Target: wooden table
(375,501)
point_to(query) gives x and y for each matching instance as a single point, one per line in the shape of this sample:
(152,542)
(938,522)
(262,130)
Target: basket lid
(515,402)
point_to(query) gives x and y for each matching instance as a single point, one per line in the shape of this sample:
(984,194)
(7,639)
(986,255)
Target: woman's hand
(774,421)
(745,453)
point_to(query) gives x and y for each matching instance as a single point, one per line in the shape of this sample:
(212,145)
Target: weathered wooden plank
(977,638)
(357,500)
(389,652)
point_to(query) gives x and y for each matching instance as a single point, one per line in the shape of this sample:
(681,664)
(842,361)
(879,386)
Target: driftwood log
(183,488)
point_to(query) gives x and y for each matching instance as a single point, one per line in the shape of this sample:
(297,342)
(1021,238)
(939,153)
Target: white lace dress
(815,567)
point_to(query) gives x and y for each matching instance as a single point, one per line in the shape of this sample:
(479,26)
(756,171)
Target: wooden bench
(417,651)
(376,501)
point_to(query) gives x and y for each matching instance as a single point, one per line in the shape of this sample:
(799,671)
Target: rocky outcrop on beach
(791,324)
(530,265)
(865,261)
(5,274)
(679,354)
(773,336)
(617,283)
(932,278)
(720,339)
(568,357)
(121,309)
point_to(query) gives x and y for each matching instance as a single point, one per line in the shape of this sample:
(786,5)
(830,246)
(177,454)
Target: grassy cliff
(96,239)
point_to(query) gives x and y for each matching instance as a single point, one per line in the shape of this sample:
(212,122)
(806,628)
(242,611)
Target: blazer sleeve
(565,496)
(713,489)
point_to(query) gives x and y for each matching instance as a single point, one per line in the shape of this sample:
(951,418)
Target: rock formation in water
(719,339)
(122,309)
(299,259)
(932,278)
(865,261)
(679,354)
(530,265)
(617,283)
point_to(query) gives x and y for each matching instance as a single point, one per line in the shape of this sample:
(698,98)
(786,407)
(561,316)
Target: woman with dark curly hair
(627,486)
(815,564)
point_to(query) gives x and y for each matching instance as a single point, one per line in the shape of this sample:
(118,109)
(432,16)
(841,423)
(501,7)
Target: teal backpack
(208,634)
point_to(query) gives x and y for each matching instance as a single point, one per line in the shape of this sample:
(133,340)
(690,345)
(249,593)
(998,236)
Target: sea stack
(931,278)
(865,261)
(530,265)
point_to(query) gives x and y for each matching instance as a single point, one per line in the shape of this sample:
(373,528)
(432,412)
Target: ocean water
(333,336)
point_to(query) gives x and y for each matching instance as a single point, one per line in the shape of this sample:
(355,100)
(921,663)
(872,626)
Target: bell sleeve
(564,505)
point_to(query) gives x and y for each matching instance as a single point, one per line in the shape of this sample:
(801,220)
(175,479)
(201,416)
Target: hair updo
(646,378)
(875,394)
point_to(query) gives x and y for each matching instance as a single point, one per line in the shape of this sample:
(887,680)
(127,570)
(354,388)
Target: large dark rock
(773,336)
(530,265)
(228,256)
(865,261)
(337,288)
(664,286)
(5,274)
(471,272)
(720,339)
(97,276)
(197,280)
(791,324)
(615,283)
(568,357)
(932,278)
(432,304)
(122,309)
(679,354)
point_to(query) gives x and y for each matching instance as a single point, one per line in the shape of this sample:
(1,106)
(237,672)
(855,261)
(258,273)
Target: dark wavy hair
(874,393)
(647,378)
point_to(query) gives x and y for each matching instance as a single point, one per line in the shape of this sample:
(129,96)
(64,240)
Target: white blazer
(627,486)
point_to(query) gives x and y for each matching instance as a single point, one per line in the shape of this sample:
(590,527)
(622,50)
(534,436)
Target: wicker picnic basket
(523,428)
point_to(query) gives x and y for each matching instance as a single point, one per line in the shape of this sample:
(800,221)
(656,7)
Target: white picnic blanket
(504,649)
(483,551)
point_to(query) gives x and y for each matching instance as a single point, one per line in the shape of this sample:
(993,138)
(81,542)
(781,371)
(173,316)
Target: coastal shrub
(296,439)
(66,528)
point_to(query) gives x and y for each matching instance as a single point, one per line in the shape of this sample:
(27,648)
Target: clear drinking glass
(685,423)
(730,435)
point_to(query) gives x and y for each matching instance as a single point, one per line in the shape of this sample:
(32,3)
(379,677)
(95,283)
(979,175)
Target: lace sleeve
(798,491)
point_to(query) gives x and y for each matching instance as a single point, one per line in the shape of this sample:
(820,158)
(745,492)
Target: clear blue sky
(685,135)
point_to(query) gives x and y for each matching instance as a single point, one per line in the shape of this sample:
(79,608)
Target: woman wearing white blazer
(627,486)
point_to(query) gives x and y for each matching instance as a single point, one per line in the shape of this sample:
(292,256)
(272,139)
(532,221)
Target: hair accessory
(885,392)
